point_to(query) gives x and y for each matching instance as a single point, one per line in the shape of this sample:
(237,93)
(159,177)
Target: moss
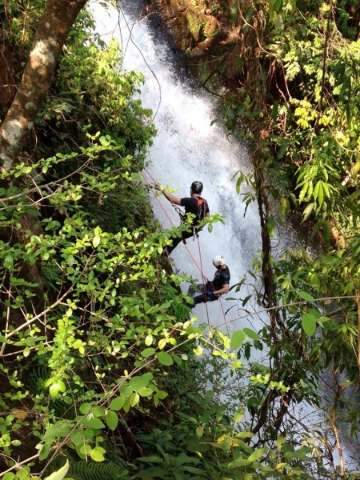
(195,24)
(210,26)
(201,26)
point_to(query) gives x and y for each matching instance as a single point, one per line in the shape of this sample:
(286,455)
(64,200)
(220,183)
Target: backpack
(202,208)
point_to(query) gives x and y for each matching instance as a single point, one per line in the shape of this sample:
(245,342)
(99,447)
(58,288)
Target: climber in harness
(219,286)
(194,205)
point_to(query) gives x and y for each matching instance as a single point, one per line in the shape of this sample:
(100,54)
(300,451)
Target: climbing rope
(199,267)
(173,225)
(223,313)
(204,279)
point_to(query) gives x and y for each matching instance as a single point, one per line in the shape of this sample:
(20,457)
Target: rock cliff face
(221,41)
(207,32)
(191,22)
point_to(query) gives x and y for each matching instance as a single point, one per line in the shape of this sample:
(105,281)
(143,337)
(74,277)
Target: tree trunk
(51,33)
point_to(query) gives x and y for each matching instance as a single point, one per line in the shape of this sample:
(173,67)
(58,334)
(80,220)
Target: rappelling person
(195,205)
(219,285)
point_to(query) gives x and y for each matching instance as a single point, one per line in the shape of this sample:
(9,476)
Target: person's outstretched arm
(172,198)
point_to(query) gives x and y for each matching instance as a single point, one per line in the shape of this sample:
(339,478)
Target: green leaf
(308,210)
(78,438)
(305,295)
(308,322)
(149,340)
(277,5)
(140,381)
(9,476)
(251,333)
(151,459)
(165,359)
(320,192)
(148,352)
(244,435)
(162,343)
(259,452)
(56,388)
(145,392)
(238,183)
(23,474)
(96,241)
(199,431)
(98,411)
(93,422)
(238,462)
(134,399)
(97,454)
(198,350)
(85,408)
(84,450)
(59,474)
(237,338)
(44,451)
(111,420)
(118,403)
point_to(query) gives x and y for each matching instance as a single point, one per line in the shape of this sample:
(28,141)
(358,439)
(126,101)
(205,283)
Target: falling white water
(189,146)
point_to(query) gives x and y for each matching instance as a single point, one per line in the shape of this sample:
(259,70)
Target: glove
(158,187)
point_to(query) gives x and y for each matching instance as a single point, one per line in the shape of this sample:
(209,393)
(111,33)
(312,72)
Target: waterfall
(190,146)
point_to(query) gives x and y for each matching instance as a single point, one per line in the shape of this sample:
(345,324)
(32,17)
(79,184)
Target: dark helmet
(196,187)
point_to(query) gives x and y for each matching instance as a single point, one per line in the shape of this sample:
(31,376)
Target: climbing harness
(202,212)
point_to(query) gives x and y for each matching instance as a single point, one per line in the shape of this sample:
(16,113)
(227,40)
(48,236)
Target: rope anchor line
(197,265)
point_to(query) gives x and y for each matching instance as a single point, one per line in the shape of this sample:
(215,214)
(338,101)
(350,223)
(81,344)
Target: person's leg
(187,234)
(175,241)
(205,297)
(200,298)
(212,297)
(194,288)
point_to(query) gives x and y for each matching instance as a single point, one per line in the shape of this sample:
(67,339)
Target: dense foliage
(297,103)
(298,106)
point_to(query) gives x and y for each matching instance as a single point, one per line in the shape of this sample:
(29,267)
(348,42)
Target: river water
(190,146)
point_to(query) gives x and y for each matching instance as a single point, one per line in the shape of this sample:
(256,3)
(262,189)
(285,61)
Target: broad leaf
(237,338)
(97,454)
(308,322)
(165,359)
(111,420)
(59,474)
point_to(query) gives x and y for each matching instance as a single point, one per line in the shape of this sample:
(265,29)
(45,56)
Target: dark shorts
(207,296)
(182,238)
